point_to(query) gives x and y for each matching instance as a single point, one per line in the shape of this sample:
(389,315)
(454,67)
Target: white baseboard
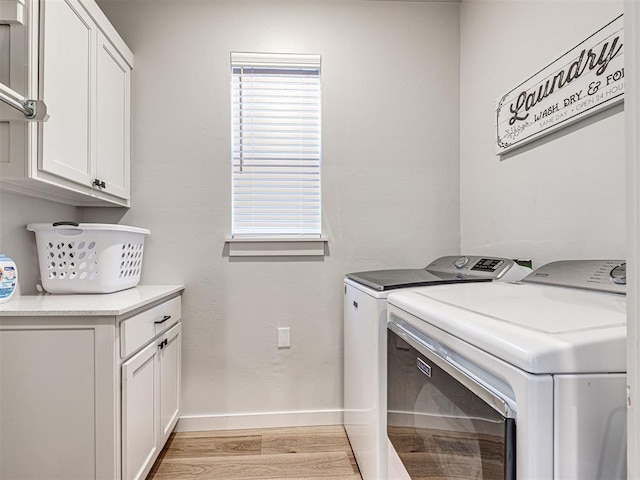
(237,421)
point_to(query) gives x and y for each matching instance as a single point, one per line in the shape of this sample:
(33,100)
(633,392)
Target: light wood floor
(296,453)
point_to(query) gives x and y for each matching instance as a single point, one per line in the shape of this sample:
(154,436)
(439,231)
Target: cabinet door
(68,46)
(57,402)
(140,412)
(113,105)
(170,367)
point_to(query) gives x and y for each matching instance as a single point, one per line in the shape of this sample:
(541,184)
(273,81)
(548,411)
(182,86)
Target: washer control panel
(619,274)
(471,266)
(461,262)
(488,265)
(601,275)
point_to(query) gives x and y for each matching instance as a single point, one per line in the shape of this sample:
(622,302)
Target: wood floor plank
(212,446)
(316,429)
(290,453)
(353,476)
(305,443)
(309,441)
(251,467)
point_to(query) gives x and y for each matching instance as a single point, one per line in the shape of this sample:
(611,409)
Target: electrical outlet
(284,339)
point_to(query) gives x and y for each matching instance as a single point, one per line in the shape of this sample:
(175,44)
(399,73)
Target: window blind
(276,113)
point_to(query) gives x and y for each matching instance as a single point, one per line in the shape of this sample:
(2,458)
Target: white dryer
(365,327)
(511,380)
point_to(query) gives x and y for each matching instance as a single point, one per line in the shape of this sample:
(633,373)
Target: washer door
(441,422)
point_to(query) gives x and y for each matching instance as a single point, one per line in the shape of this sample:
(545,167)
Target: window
(275,145)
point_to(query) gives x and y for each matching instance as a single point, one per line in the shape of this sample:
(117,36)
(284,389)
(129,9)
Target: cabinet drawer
(136,331)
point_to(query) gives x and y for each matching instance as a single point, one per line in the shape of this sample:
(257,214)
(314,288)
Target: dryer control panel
(600,275)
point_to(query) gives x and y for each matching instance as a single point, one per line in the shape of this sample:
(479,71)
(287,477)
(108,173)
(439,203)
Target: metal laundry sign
(583,81)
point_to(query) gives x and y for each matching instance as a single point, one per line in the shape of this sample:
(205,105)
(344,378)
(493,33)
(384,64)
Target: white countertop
(117,303)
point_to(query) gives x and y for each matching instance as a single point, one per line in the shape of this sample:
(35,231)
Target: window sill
(276,247)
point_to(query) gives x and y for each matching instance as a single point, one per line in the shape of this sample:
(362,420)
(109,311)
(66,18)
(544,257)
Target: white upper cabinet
(81,69)
(113,128)
(68,46)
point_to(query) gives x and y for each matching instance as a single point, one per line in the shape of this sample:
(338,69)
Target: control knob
(619,274)
(461,262)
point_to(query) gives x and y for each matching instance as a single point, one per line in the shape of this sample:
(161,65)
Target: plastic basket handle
(68,224)
(68,232)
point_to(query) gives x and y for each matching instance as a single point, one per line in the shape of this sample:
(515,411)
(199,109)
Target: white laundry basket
(88,257)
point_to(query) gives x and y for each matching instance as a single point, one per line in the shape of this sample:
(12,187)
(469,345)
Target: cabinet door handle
(163,344)
(98,183)
(164,319)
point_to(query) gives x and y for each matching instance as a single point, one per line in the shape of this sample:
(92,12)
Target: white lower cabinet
(58,400)
(88,397)
(150,402)
(170,382)
(140,382)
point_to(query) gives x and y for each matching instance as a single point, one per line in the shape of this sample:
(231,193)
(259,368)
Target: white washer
(527,379)
(365,327)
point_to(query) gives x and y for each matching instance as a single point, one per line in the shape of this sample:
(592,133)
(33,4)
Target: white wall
(390,73)
(561,197)
(18,243)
